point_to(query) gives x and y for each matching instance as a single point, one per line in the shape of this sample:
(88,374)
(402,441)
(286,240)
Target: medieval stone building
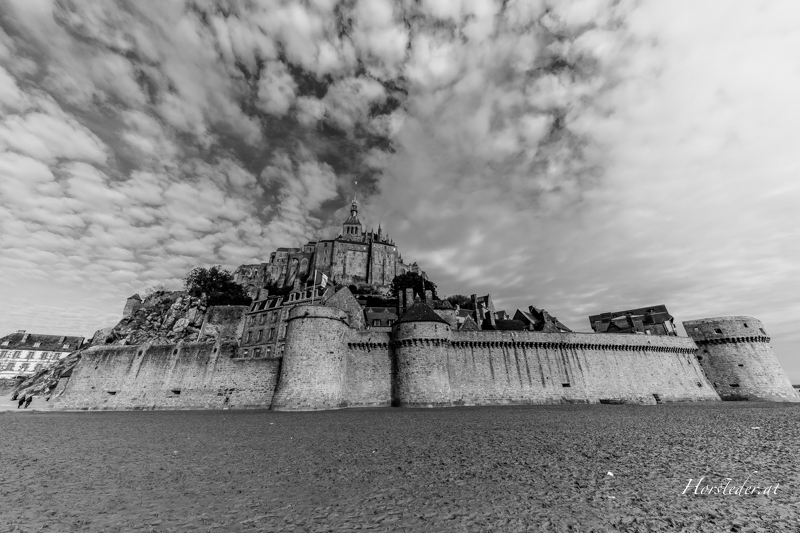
(354,257)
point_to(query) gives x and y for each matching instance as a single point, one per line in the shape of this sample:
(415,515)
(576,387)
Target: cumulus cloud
(276,88)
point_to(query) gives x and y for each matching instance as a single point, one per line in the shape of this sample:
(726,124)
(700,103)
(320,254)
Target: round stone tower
(313,370)
(735,354)
(421,339)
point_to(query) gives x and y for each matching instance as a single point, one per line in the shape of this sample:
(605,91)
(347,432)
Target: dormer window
(37,344)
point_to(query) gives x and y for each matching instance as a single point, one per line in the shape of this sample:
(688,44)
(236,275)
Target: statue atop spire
(354,203)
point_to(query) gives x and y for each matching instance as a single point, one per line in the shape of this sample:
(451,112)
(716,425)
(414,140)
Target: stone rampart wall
(182,376)
(369,369)
(501,367)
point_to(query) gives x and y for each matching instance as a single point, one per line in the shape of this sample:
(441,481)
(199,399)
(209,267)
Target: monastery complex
(355,257)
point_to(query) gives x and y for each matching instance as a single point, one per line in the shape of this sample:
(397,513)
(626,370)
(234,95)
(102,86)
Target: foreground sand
(541,468)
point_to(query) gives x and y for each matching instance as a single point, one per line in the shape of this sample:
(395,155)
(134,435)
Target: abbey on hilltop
(354,257)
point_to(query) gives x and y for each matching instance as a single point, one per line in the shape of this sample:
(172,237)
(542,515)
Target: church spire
(352,226)
(354,206)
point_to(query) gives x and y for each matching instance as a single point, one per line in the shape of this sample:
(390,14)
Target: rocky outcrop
(165,317)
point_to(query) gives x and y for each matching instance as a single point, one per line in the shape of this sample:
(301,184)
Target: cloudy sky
(579,156)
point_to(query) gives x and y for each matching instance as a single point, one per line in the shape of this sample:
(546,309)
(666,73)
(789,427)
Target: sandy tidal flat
(542,468)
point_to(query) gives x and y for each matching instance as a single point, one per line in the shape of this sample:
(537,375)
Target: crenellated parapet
(515,343)
(732,340)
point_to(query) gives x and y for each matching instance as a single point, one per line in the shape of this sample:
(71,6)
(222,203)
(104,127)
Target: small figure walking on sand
(28,401)
(21,401)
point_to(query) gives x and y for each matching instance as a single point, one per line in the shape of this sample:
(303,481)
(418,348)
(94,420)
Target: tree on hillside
(412,280)
(465,302)
(217,285)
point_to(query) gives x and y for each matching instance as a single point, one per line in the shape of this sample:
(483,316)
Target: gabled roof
(421,312)
(469,325)
(525,317)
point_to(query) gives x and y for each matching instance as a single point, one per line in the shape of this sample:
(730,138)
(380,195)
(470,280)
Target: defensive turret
(313,372)
(421,341)
(735,354)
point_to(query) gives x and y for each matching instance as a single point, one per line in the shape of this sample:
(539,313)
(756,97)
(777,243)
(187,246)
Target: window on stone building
(17,353)
(37,367)
(3,354)
(249,336)
(262,318)
(267,351)
(30,355)
(244,353)
(376,322)
(260,335)
(271,334)
(251,321)
(282,348)
(389,322)
(23,367)
(257,352)
(9,366)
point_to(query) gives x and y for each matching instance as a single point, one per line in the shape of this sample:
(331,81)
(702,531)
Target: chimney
(24,337)
(62,339)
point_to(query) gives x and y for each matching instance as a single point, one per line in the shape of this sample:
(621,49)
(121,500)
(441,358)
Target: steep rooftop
(421,312)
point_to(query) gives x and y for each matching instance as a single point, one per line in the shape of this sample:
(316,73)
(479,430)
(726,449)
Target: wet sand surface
(539,468)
